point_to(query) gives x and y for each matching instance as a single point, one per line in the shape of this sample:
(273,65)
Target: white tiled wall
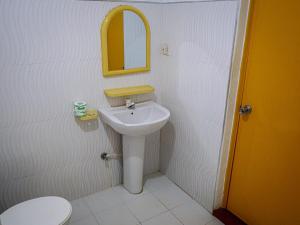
(49,57)
(194,87)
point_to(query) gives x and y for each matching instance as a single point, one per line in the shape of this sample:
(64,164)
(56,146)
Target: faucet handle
(128,102)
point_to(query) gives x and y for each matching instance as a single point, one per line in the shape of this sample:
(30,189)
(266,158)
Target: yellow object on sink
(127,91)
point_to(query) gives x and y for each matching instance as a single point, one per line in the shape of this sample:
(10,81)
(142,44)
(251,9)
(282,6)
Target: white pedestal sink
(134,125)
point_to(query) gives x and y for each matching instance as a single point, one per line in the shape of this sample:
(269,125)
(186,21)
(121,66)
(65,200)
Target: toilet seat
(49,210)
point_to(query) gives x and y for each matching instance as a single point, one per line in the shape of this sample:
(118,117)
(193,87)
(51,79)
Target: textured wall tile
(151,162)
(70,181)
(50,56)
(45,91)
(194,87)
(49,30)
(38,147)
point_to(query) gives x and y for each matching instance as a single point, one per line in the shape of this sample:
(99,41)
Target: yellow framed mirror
(125,42)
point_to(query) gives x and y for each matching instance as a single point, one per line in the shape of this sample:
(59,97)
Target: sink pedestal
(134,125)
(133,163)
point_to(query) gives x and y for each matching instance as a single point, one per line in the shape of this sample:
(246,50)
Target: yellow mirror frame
(104,47)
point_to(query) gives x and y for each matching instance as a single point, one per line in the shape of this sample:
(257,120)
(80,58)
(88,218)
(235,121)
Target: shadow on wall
(168,136)
(184,157)
(114,146)
(87,126)
(116,166)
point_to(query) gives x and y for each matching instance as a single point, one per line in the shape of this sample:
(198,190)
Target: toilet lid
(49,210)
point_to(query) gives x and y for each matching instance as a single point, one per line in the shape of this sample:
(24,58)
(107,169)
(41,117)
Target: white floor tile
(117,216)
(116,206)
(215,222)
(172,196)
(103,200)
(125,195)
(79,210)
(163,219)
(191,213)
(87,221)
(146,207)
(156,182)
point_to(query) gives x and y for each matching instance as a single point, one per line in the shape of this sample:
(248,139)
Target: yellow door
(265,181)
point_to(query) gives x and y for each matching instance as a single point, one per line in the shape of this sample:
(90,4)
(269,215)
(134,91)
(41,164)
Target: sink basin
(146,118)
(134,125)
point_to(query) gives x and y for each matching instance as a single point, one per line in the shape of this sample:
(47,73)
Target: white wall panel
(50,56)
(194,87)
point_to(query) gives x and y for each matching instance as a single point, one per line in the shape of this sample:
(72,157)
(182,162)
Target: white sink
(146,118)
(134,125)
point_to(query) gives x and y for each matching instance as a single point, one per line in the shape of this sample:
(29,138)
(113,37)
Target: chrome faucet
(130,104)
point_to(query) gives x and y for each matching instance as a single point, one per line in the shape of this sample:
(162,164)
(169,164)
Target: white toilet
(49,210)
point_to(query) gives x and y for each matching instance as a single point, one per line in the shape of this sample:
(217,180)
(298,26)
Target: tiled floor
(161,203)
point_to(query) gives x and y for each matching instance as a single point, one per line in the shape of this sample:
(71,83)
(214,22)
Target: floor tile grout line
(86,205)
(150,194)
(80,219)
(176,217)
(90,210)
(211,220)
(155,216)
(167,209)
(171,207)
(133,214)
(125,204)
(192,198)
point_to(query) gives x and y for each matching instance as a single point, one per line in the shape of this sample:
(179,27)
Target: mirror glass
(126,37)
(126,41)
